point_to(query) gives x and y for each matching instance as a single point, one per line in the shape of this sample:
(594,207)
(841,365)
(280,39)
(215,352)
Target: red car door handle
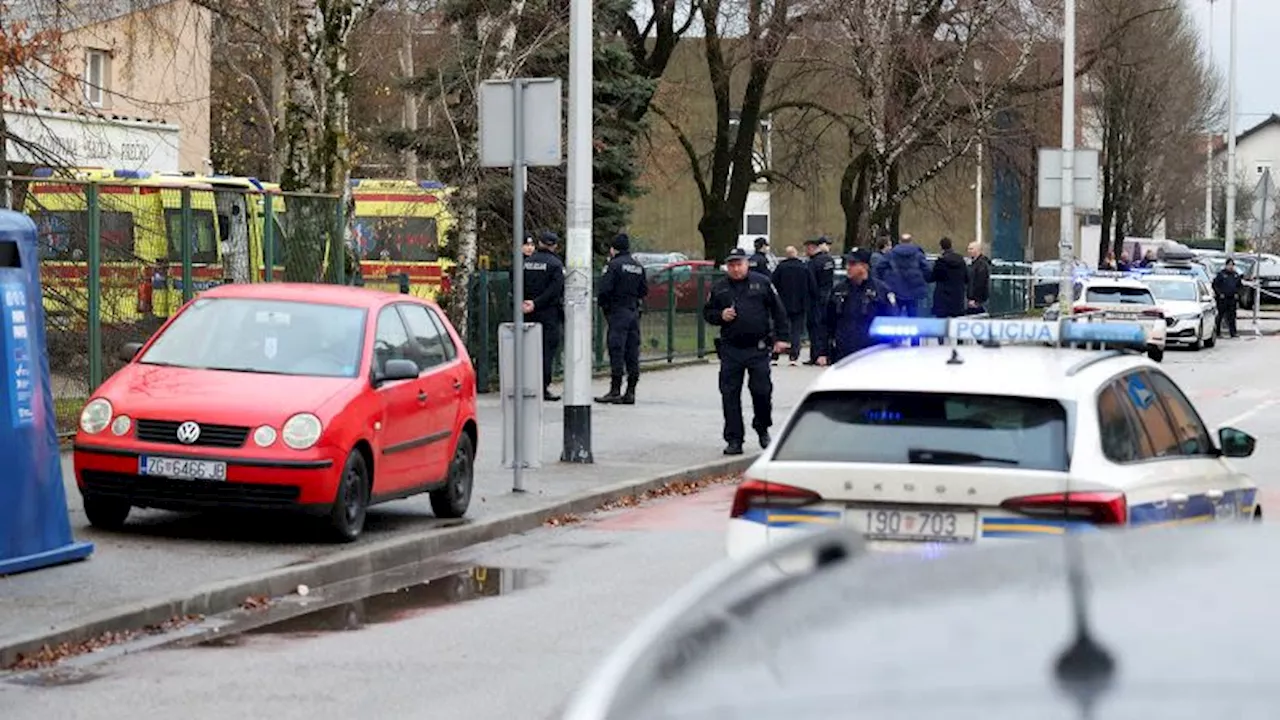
(422,396)
(457,384)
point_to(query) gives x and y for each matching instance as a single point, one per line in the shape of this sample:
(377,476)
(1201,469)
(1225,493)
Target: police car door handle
(1178,498)
(1214,495)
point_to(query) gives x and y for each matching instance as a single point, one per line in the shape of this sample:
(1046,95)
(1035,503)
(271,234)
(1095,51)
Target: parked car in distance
(316,398)
(684,276)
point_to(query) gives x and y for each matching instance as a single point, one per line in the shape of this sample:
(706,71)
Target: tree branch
(690,152)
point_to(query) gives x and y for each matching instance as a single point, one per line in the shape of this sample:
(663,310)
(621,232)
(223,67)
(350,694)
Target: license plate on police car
(182,469)
(914,525)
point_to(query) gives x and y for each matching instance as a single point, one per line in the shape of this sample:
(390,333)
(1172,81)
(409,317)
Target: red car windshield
(263,336)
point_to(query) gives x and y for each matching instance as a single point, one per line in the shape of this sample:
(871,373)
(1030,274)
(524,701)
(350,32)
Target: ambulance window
(1152,420)
(65,235)
(204,248)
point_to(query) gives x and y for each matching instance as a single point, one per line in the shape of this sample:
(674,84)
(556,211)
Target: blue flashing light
(901,328)
(43,172)
(256,183)
(131,174)
(431,185)
(1104,332)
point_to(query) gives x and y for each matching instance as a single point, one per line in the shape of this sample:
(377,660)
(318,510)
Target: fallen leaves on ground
(256,602)
(50,655)
(672,489)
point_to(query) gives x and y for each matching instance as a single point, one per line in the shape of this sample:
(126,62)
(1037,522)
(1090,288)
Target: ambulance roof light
(131,174)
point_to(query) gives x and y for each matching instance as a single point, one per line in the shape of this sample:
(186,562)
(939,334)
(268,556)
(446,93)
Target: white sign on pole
(1088,195)
(1264,208)
(542,101)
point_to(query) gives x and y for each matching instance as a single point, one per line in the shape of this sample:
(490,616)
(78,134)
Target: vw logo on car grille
(188,432)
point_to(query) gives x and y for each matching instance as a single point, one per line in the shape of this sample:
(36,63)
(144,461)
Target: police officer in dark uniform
(854,303)
(621,290)
(544,301)
(1226,289)
(759,262)
(823,266)
(752,322)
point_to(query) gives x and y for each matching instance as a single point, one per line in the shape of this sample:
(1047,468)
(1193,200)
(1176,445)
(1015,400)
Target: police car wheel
(1156,354)
(1257,514)
(106,513)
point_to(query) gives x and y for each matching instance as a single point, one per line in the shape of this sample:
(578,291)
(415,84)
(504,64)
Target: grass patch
(66,413)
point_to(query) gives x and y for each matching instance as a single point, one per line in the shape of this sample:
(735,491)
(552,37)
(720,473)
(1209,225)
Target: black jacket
(544,285)
(795,286)
(950,276)
(822,267)
(623,285)
(1226,285)
(759,262)
(761,315)
(980,280)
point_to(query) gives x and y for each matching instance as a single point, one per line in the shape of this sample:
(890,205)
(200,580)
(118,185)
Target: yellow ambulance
(400,228)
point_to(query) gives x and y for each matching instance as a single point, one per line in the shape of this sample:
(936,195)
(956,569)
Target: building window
(1261,167)
(757,225)
(95,77)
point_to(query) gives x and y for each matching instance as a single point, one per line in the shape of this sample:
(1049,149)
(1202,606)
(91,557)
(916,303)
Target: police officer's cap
(858,256)
(817,241)
(549,239)
(761,242)
(735,254)
(621,243)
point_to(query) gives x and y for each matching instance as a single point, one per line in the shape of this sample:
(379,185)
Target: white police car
(1005,439)
(1191,315)
(1110,295)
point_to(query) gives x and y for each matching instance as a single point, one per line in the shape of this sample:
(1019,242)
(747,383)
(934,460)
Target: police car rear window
(928,428)
(1120,296)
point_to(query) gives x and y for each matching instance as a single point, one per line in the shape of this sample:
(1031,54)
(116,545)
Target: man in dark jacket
(979,279)
(950,277)
(880,258)
(797,289)
(855,302)
(907,276)
(622,289)
(1226,290)
(544,301)
(759,262)
(751,318)
(822,267)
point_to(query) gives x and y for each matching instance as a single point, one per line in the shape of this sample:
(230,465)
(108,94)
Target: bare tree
(1152,94)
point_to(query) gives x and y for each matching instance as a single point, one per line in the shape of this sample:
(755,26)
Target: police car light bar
(1009,332)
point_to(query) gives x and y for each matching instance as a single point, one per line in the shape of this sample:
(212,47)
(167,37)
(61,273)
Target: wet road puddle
(56,677)
(402,603)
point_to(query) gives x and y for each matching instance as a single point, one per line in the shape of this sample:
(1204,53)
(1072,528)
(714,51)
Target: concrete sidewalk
(675,425)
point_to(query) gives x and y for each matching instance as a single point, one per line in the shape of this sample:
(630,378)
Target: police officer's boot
(614,396)
(629,398)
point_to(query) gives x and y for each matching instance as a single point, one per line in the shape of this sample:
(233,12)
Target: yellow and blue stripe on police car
(793,517)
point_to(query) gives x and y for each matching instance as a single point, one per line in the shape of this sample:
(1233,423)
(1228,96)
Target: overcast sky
(1257,31)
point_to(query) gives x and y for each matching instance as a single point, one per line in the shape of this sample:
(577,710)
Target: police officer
(759,262)
(823,267)
(621,290)
(1226,289)
(751,319)
(857,300)
(544,301)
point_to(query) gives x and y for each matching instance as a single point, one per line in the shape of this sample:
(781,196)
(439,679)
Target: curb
(377,557)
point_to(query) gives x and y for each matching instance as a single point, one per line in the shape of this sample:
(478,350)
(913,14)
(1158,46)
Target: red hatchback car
(279,396)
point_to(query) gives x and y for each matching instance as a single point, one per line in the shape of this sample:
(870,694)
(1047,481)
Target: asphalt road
(549,605)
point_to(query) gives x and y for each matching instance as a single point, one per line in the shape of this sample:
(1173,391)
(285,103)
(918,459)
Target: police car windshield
(1120,296)
(928,428)
(263,336)
(1172,290)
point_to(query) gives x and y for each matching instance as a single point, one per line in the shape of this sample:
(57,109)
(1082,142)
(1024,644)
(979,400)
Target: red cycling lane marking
(705,510)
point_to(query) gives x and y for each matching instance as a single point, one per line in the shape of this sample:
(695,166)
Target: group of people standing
(761,311)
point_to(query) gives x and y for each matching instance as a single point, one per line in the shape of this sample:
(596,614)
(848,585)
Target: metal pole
(186,225)
(1257,258)
(1231,139)
(1208,150)
(1067,229)
(579,310)
(517,285)
(95,286)
(977,197)
(268,237)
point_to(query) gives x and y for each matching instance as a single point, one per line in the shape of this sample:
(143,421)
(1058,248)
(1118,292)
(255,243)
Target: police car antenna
(1084,670)
(955,358)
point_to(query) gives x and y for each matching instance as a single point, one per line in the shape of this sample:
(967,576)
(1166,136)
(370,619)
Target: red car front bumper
(110,470)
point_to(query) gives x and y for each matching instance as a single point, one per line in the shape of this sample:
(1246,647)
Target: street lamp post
(1231,139)
(1067,227)
(578,212)
(1208,151)
(977,184)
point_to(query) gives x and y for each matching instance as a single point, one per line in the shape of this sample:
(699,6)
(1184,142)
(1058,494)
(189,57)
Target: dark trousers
(797,321)
(1227,314)
(817,328)
(624,343)
(754,363)
(552,331)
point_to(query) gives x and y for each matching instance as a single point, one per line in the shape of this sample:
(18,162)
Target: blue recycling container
(35,531)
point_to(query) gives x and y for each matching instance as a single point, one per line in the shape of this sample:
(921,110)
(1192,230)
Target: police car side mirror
(1236,443)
